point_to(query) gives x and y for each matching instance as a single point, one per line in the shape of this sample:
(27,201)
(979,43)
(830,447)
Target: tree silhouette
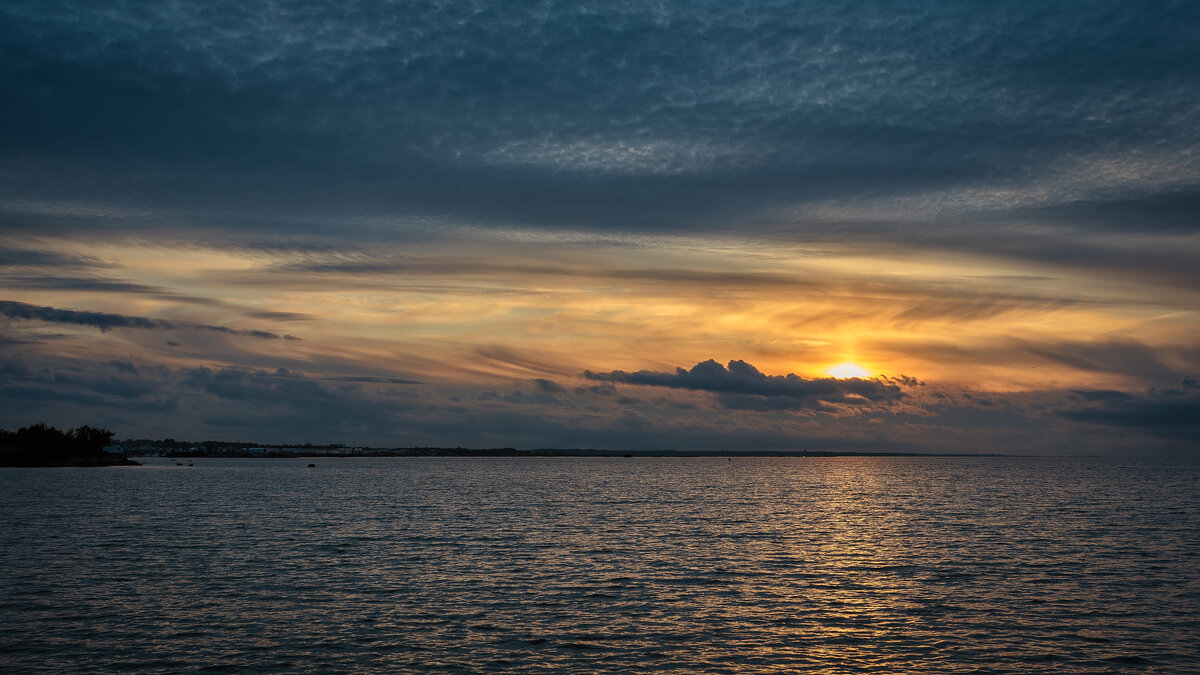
(89,440)
(39,444)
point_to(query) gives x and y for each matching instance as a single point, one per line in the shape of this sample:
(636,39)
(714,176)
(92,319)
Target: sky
(656,225)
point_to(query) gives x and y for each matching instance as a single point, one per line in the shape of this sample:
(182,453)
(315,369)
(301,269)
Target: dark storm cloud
(1171,413)
(106,322)
(26,386)
(368,379)
(15,279)
(606,389)
(59,283)
(1168,212)
(520,360)
(22,396)
(123,366)
(261,387)
(648,115)
(549,386)
(1101,395)
(55,271)
(1118,356)
(742,386)
(1128,357)
(303,407)
(280,316)
(1169,262)
(139,396)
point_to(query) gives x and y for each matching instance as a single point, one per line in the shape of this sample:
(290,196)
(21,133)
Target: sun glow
(847,370)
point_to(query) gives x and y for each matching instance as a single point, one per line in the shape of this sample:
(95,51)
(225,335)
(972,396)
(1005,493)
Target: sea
(603,565)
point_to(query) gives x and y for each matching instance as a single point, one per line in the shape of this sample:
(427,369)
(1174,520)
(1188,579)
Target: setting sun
(848,370)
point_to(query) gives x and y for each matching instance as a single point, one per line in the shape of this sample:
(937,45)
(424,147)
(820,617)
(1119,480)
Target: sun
(847,370)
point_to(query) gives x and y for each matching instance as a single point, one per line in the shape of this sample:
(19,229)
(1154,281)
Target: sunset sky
(925,226)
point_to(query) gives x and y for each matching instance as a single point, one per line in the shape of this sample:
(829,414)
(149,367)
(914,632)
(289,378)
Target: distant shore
(41,445)
(555,452)
(33,461)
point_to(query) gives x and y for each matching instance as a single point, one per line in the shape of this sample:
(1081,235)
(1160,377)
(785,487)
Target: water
(833,565)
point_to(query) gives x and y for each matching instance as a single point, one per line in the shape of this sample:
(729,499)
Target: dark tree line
(41,444)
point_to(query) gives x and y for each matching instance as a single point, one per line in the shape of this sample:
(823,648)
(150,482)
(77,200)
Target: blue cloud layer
(613,115)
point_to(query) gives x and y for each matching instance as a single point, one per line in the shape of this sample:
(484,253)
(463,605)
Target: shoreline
(512,452)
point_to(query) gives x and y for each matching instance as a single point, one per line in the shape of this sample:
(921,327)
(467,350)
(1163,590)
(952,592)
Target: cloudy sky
(941,226)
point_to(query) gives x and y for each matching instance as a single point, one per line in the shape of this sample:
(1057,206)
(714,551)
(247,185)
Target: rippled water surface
(587,565)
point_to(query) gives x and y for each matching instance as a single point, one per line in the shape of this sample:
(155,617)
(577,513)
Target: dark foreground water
(535,565)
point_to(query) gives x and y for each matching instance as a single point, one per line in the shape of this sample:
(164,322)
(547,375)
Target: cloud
(1172,413)
(1170,211)
(742,386)
(280,316)
(363,378)
(549,386)
(669,116)
(517,361)
(1133,360)
(123,366)
(107,322)
(517,185)
(61,283)
(1107,356)
(138,398)
(24,257)
(265,388)
(597,390)
(44,282)
(91,390)
(301,406)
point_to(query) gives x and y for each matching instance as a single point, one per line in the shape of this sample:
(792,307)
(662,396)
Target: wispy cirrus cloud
(37,258)
(106,321)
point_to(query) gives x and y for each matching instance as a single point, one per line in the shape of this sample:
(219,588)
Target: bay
(550,564)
